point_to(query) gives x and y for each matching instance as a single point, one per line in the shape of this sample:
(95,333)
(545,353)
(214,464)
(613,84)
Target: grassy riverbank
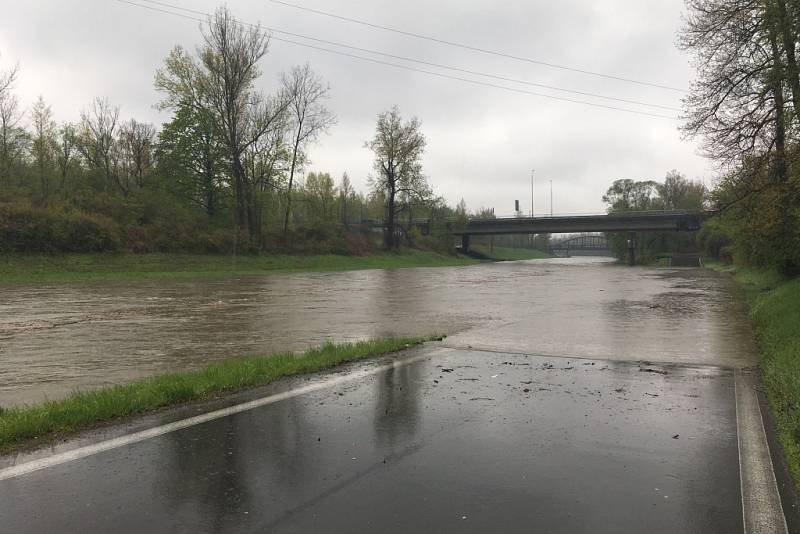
(775,311)
(21,425)
(510,254)
(90,267)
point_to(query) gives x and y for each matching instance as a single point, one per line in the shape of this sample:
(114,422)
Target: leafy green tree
(398,147)
(220,82)
(630,195)
(321,199)
(192,158)
(674,193)
(678,193)
(744,106)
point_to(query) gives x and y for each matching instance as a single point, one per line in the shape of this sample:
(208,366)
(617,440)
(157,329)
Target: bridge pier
(631,248)
(464,243)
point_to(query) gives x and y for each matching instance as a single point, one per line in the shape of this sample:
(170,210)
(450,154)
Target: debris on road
(651,370)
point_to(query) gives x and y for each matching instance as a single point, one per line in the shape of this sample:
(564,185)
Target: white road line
(761,502)
(89,450)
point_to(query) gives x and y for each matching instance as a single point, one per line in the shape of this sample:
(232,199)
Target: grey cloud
(482,141)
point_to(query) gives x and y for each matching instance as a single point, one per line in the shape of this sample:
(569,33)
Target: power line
(475,48)
(431,64)
(405,67)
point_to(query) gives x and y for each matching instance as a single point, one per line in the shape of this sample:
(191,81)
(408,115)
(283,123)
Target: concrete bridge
(647,221)
(630,222)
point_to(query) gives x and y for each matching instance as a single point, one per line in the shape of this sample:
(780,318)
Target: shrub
(28,229)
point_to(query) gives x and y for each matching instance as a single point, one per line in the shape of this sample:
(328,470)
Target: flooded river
(55,339)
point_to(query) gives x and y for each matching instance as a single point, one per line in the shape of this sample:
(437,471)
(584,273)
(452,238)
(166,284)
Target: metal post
(551,198)
(533,171)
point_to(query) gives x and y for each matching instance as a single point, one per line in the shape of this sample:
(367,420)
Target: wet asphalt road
(460,441)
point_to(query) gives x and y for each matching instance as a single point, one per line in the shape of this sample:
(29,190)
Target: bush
(24,228)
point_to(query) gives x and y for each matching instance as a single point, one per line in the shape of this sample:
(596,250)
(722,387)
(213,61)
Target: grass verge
(91,267)
(775,313)
(510,254)
(44,422)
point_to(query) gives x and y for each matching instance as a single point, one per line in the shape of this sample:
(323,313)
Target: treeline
(224,174)
(676,192)
(745,107)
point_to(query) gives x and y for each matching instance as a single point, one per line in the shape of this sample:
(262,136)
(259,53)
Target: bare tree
(398,147)
(12,137)
(136,152)
(7,80)
(738,101)
(66,153)
(97,140)
(305,92)
(43,145)
(265,165)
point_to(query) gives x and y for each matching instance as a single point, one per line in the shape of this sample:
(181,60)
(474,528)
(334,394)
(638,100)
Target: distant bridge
(630,222)
(634,221)
(591,244)
(645,221)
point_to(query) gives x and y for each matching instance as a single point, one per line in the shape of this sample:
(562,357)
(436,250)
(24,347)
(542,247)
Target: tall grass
(83,410)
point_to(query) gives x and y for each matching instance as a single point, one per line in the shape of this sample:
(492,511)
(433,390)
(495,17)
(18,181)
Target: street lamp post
(551,198)
(533,171)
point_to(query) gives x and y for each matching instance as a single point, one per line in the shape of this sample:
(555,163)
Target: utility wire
(430,64)
(396,65)
(474,48)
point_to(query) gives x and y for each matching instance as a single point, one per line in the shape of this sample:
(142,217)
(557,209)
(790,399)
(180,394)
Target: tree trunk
(253,216)
(289,190)
(240,193)
(777,93)
(391,241)
(787,32)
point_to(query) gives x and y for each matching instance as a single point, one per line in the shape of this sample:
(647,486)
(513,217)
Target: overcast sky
(482,141)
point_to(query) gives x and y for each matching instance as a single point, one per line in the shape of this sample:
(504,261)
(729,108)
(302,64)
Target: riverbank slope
(775,313)
(97,267)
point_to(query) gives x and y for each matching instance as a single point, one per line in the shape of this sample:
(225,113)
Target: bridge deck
(629,222)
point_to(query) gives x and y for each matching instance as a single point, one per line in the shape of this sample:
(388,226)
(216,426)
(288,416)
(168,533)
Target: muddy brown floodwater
(55,339)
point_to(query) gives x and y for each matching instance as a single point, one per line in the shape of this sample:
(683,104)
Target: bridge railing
(503,218)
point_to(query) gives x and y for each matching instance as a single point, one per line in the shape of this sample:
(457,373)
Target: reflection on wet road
(54,339)
(458,441)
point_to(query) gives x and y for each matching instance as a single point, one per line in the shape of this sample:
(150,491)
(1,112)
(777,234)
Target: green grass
(510,254)
(44,422)
(775,312)
(91,267)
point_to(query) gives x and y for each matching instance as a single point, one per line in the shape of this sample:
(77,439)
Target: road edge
(762,510)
